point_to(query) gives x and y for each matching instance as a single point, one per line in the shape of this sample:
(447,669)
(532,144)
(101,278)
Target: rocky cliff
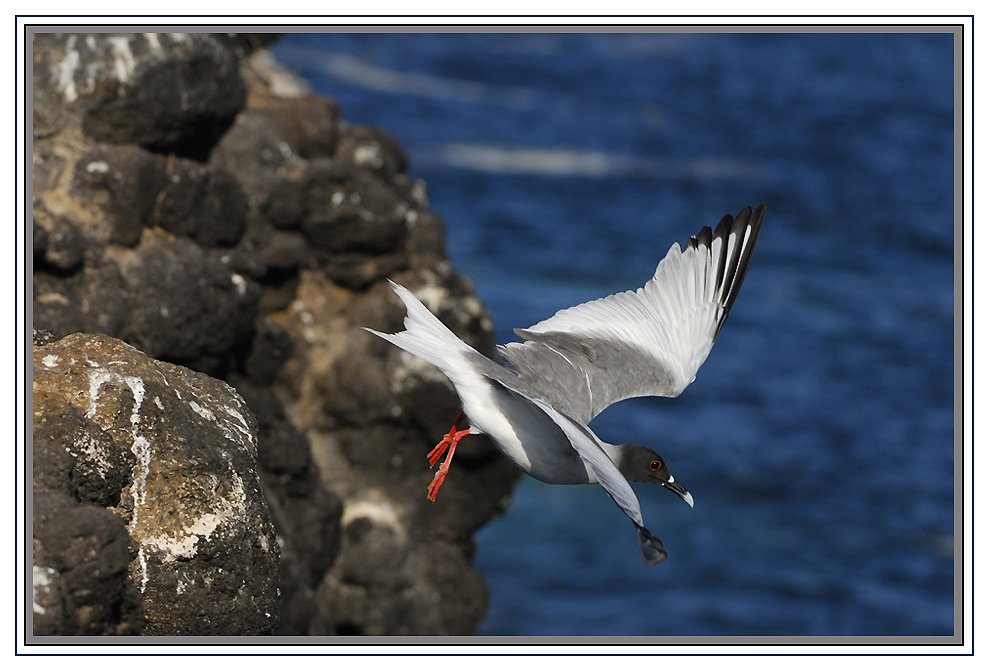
(238,453)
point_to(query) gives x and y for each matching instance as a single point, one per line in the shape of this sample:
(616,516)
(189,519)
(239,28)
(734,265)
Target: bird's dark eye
(655,465)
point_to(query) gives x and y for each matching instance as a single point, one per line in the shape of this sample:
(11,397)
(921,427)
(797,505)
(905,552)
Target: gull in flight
(570,367)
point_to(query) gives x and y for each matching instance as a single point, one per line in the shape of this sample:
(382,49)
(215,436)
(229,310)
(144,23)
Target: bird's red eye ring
(655,465)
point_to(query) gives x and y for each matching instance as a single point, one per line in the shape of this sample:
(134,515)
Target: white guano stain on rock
(239,424)
(234,427)
(123,59)
(239,282)
(92,72)
(205,413)
(42,577)
(221,499)
(214,511)
(369,155)
(140,445)
(52,297)
(98,167)
(94,453)
(182,543)
(381,512)
(64,72)
(153,43)
(144,569)
(432,296)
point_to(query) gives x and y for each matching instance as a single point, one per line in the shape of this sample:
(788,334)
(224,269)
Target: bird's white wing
(648,342)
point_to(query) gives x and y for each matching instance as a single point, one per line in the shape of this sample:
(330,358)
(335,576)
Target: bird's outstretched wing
(648,342)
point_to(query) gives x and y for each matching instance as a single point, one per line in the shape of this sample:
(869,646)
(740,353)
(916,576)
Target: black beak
(678,489)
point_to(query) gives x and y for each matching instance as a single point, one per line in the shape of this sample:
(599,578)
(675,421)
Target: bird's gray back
(581,376)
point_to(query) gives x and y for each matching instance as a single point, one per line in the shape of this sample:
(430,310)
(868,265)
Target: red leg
(437,452)
(450,441)
(441,472)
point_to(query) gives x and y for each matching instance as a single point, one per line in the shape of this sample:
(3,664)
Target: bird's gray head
(639,463)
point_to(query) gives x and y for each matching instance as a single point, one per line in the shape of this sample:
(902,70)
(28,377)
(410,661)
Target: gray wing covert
(587,374)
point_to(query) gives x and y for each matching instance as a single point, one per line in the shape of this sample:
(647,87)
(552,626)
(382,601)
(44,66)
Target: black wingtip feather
(702,239)
(722,232)
(736,268)
(737,229)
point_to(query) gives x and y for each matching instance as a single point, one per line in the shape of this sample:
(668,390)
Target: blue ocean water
(817,440)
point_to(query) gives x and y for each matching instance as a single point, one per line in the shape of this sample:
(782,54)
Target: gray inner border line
(956,640)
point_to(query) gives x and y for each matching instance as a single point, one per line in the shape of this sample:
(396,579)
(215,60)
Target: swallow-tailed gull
(570,367)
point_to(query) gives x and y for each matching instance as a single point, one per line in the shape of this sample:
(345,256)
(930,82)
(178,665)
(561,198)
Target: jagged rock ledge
(193,199)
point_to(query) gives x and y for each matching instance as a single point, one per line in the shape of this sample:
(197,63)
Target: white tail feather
(425,336)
